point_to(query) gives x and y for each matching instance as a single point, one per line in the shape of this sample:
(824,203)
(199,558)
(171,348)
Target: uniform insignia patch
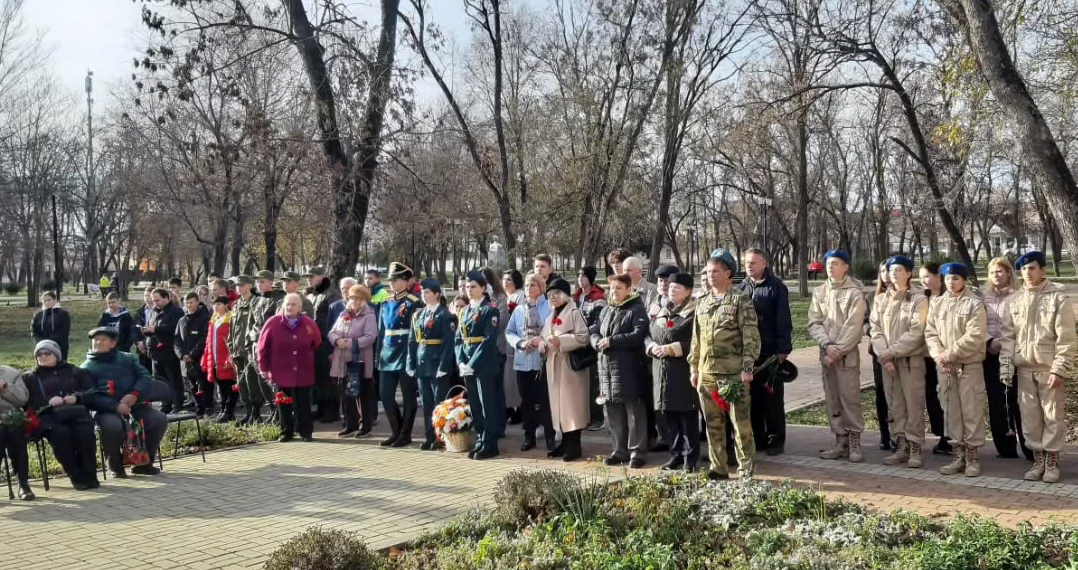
(494,321)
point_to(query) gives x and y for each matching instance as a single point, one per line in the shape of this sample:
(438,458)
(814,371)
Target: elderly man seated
(124,386)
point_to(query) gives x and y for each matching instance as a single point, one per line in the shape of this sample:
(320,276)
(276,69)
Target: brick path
(808,388)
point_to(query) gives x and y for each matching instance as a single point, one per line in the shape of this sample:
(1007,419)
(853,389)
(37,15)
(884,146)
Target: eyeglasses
(43,354)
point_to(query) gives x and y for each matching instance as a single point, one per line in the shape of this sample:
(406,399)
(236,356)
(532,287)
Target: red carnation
(32,423)
(112,387)
(512,307)
(669,324)
(557,322)
(720,401)
(200,394)
(235,387)
(160,345)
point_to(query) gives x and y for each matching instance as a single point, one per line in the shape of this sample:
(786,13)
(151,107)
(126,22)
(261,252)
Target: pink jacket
(286,355)
(362,331)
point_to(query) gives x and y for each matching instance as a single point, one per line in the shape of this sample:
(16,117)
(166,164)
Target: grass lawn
(799,309)
(16,345)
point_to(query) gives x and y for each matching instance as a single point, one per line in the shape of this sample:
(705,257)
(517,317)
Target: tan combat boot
(973,467)
(1051,467)
(1037,471)
(958,464)
(841,449)
(901,455)
(855,448)
(916,461)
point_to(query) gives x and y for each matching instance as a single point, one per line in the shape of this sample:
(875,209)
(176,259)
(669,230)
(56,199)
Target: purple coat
(286,356)
(361,331)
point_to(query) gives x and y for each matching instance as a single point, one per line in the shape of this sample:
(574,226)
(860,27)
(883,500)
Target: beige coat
(837,315)
(956,329)
(569,389)
(1038,332)
(897,323)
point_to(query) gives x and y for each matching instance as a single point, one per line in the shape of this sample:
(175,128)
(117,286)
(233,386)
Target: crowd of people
(660,365)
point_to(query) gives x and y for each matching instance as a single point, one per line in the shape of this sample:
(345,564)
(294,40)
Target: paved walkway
(808,388)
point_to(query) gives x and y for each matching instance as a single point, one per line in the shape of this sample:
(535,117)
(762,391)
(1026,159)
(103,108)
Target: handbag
(134,446)
(354,386)
(583,358)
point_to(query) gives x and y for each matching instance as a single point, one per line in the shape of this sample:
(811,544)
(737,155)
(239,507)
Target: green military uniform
(725,343)
(242,349)
(308,307)
(266,305)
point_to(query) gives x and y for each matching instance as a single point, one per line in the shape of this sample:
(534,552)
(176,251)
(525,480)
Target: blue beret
(953,268)
(431,285)
(726,258)
(1037,256)
(477,276)
(839,254)
(900,260)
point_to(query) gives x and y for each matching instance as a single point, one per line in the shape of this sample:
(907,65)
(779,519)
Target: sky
(105,35)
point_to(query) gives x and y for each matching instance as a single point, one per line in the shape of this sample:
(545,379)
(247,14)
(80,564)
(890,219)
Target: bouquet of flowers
(729,393)
(26,421)
(452,421)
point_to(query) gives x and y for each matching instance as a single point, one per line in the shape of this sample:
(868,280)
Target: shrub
(526,496)
(865,270)
(974,542)
(319,549)
(12,288)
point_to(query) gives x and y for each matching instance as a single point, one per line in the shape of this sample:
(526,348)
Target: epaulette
(412,298)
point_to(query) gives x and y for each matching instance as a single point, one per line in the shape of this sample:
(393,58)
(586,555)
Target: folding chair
(161,392)
(39,448)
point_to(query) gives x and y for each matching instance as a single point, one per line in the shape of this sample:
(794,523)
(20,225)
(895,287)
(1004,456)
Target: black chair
(162,393)
(39,449)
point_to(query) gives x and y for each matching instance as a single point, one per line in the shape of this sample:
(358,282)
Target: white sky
(105,35)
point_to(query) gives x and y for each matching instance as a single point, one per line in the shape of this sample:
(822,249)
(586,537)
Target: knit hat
(50,346)
(590,273)
(559,284)
(684,279)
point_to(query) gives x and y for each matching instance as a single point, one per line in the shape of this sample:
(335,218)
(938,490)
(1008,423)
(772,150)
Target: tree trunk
(802,221)
(978,19)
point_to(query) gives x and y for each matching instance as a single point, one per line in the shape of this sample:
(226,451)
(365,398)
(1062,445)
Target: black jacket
(191,334)
(772,301)
(123,323)
(52,324)
(42,384)
(138,321)
(621,374)
(321,299)
(672,389)
(164,321)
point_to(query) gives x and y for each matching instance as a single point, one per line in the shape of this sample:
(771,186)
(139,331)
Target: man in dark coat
(772,302)
(160,333)
(189,346)
(52,322)
(322,295)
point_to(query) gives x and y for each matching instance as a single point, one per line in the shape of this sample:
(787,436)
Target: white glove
(410,373)
(439,374)
(466,370)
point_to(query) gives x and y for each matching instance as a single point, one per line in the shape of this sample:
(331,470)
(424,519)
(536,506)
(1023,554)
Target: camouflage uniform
(242,350)
(725,343)
(267,306)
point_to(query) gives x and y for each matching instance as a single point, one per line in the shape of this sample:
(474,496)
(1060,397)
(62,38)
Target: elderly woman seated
(12,439)
(63,392)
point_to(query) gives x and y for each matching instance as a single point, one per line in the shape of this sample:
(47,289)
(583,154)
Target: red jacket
(216,360)
(286,355)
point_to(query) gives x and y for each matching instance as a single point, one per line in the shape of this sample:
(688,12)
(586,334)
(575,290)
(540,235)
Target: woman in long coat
(674,395)
(619,338)
(352,336)
(565,331)
(286,352)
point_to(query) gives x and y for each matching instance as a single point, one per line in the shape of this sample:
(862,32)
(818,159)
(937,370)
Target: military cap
(398,270)
(477,276)
(317,271)
(291,276)
(953,268)
(839,254)
(726,258)
(684,279)
(786,371)
(267,275)
(431,285)
(558,284)
(666,271)
(244,280)
(107,331)
(1037,256)
(900,260)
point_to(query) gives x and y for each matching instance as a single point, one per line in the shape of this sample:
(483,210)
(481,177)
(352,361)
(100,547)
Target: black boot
(246,417)
(405,437)
(559,450)
(256,412)
(572,447)
(394,426)
(551,440)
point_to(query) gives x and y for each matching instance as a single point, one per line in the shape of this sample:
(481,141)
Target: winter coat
(432,343)
(516,334)
(286,354)
(216,359)
(836,317)
(116,374)
(123,324)
(322,298)
(361,331)
(53,324)
(13,395)
(771,299)
(897,323)
(64,379)
(626,325)
(164,321)
(191,335)
(569,390)
(672,388)
(956,328)
(592,305)
(1038,332)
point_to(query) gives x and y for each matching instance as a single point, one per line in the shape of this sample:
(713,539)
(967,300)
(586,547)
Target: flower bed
(554,520)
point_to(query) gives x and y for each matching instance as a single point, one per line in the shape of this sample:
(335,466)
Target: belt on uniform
(431,342)
(474,339)
(397,332)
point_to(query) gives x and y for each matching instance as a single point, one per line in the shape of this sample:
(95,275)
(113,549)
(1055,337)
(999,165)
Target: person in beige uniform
(835,321)
(955,333)
(1039,343)
(898,326)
